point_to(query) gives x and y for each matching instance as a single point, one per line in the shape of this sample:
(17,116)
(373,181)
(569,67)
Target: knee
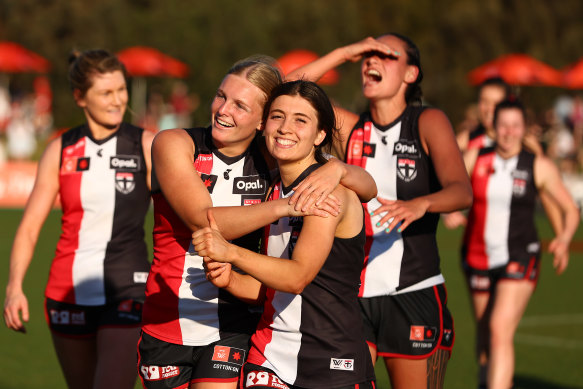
(501,332)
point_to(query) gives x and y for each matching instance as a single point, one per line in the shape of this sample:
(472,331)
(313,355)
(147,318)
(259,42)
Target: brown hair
(84,65)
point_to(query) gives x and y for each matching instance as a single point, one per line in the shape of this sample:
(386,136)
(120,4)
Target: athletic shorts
(411,325)
(259,377)
(484,281)
(84,320)
(168,365)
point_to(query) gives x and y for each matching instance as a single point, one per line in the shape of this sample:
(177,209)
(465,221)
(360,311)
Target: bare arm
(147,138)
(39,204)
(548,180)
(438,140)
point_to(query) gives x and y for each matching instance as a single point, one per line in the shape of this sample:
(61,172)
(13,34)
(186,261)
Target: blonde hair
(259,70)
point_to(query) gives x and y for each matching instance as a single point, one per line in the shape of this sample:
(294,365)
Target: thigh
(116,357)
(510,301)
(77,357)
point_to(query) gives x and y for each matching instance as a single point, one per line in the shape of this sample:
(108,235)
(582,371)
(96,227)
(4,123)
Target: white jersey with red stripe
(478,138)
(396,262)
(501,223)
(314,339)
(101,256)
(182,306)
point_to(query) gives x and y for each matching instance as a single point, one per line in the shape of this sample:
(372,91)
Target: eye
(275,116)
(301,120)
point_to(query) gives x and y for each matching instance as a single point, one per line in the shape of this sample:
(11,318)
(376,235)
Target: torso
(501,221)
(101,256)
(181,306)
(394,156)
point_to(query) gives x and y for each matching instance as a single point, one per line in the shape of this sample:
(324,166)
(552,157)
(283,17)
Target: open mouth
(223,123)
(373,75)
(284,142)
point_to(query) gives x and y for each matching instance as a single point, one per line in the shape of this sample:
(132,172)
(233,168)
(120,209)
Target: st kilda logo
(124,182)
(407,153)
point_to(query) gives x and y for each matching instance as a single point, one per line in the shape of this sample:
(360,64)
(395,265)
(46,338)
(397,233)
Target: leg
(436,365)
(407,373)
(116,358)
(77,357)
(373,353)
(482,311)
(509,304)
(214,385)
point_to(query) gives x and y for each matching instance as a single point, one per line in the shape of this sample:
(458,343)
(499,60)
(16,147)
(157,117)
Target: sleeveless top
(181,306)
(101,256)
(396,262)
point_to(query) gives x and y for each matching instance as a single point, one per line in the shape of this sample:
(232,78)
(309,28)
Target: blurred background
(177,52)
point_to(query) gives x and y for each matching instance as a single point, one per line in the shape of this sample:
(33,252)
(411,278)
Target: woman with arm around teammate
(412,154)
(310,334)
(95,290)
(501,250)
(188,322)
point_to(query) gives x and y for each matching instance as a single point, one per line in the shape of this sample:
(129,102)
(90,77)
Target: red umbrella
(296,58)
(14,58)
(147,61)
(573,75)
(516,69)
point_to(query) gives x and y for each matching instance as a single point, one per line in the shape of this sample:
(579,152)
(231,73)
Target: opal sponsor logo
(405,147)
(341,364)
(156,373)
(255,185)
(124,162)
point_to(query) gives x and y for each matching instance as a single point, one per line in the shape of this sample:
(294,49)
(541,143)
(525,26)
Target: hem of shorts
(181,342)
(407,356)
(136,325)
(73,336)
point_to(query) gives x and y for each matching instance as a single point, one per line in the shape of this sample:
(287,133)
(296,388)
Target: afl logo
(406,169)
(124,162)
(124,182)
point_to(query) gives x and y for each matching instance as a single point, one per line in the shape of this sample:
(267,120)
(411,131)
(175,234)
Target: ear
(79,98)
(411,74)
(260,127)
(320,137)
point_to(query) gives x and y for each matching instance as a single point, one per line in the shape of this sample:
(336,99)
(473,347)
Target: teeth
(224,124)
(285,142)
(374,74)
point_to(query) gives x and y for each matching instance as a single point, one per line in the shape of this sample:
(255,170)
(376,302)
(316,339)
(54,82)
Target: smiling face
(387,75)
(490,96)
(236,114)
(291,130)
(105,102)
(510,129)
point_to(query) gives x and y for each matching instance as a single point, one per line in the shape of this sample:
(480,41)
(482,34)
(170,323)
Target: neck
(384,112)
(100,132)
(507,154)
(290,171)
(235,149)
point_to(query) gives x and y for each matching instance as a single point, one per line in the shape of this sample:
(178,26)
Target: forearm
(245,288)
(360,181)
(454,197)
(316,69)
(235,222)
(572,219)
(20,259)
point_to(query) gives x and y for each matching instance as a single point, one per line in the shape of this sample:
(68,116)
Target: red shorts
(164,365)
(411,325)
(84,320)
(484,281)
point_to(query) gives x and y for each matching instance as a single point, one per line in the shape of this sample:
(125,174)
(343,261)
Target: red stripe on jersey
(367,245)
(478,142)
(60,286)
(264,333)
(475,242)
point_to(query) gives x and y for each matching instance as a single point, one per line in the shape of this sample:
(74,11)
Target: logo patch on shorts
(341,364)
(67,317)
(229,355)
(422,333)
(156,373)
(264,378)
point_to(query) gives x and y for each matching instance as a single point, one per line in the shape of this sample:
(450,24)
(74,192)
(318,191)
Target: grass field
(549,342)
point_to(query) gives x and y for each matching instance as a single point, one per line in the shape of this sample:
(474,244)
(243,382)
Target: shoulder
(176,136)
(433,118)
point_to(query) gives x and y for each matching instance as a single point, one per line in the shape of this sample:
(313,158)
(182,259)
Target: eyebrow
(293,114)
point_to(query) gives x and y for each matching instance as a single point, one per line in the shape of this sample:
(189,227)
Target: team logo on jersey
(250,201)
(368,149)
(124,162)
(422,333)
(82,164)
(229,354)
(406,169)
(249,185)
(356,148)
(209,180)
(124,182)
(520,178)
(341,364)
(156,373)
(406,148)
(264,379)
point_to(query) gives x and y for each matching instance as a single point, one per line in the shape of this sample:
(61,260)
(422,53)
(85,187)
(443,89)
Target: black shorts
(484,281)
(410,325)
(168,365)
(259,377)
(84,320)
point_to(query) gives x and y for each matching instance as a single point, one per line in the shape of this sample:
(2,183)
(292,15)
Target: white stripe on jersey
(499,194)
(197,298)
(386,253)
(98,201)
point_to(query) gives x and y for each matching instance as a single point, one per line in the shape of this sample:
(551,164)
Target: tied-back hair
(497,82)
(83,65)
(510,103)
(318,99)
(413,94)
(259,70)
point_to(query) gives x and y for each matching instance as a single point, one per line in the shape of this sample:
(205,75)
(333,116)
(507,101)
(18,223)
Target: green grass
(549,345)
